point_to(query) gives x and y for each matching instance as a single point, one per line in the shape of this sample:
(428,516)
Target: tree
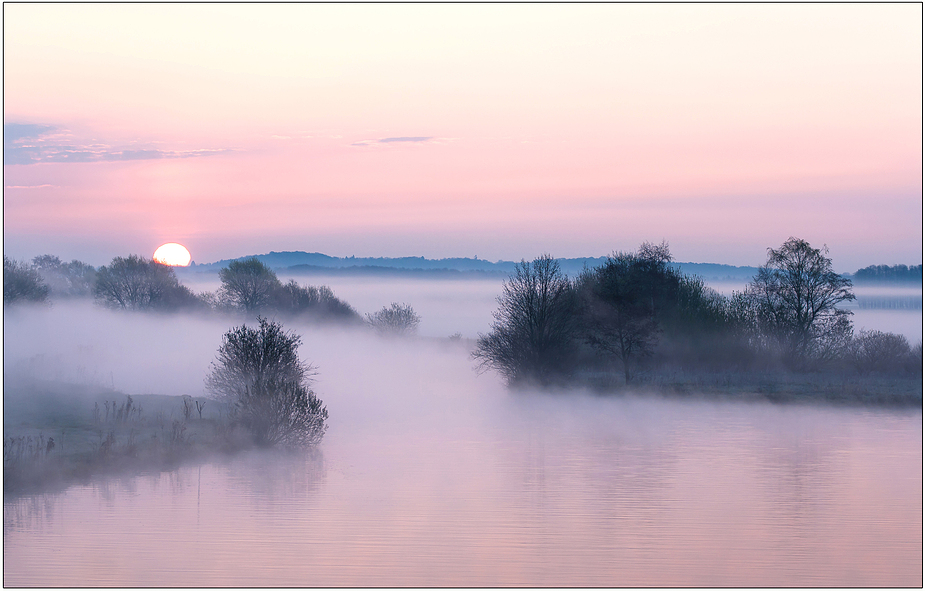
(797,293)
(318,302)
(248,285)
(74,279)
(22,283)
(622,300)
(396,319)
(136,283)
(533,335)
(258,372)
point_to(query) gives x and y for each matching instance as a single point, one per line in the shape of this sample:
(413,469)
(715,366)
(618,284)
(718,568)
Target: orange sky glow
(439,130)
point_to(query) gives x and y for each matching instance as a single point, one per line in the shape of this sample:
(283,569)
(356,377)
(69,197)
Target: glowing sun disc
(172,254)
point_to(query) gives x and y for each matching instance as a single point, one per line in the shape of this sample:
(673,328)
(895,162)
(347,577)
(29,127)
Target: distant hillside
(308,263)
(888,274)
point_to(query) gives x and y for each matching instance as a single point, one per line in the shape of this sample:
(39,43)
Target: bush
(879,352)
(397,319)
(259,373)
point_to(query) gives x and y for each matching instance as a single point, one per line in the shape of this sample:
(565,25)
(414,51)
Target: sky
(445,130)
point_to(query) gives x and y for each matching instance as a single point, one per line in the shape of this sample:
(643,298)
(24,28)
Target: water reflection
(520,489)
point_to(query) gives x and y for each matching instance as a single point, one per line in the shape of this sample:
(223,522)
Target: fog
(433,475)
(170,353)
(446,306)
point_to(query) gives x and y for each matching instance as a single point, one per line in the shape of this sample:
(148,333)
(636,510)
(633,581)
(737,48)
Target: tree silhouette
(535,327)
(248,284)
(396,319)
(258,372)
(797,292)
(22,283)
(136,283)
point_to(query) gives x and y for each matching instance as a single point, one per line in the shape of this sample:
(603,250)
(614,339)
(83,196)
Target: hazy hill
(308,263)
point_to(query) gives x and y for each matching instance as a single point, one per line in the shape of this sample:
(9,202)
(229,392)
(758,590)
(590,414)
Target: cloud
(405,139)
(389,140)
(28,186)
(18,131)
(31,143)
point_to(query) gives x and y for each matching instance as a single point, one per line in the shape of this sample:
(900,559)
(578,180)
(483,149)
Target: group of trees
(637,311)
(887,273)
(250,286)
(137,283)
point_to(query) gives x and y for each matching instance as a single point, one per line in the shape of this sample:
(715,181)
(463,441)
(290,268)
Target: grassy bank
(55,434)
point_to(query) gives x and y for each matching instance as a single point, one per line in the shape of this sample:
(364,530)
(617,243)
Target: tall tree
(249,284)
(622,300)
(798,293)
(533,335)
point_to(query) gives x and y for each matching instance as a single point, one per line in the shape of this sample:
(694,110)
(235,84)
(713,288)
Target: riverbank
(56,434)
(778,387)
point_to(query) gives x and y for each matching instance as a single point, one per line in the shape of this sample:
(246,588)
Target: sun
(172,254)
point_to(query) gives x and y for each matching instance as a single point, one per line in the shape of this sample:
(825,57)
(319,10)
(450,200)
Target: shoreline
(160,437)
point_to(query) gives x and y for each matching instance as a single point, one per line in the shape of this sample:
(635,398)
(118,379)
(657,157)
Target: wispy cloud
(31,143)
(390,140)
(28,186)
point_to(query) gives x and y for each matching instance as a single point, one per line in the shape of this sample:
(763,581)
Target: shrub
(259,373)
(397,319)
(880,352)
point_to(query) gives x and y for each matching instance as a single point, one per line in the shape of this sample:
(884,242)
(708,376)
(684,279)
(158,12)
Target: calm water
(491,489)
(431,475)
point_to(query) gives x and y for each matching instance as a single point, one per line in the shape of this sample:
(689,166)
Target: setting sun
(172,254)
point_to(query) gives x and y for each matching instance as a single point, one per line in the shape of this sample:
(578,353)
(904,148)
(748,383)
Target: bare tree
(534,330)
(797,293)
(396,319)
(22,283)
(136,283)
(258,372)
(248,285)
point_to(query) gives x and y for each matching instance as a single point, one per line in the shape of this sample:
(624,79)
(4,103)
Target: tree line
(140,284)
(636,314)
(887,273)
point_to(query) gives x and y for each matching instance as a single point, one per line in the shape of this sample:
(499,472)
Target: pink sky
(502,131)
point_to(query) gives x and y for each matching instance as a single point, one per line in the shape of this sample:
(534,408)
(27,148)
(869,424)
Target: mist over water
(433,475)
